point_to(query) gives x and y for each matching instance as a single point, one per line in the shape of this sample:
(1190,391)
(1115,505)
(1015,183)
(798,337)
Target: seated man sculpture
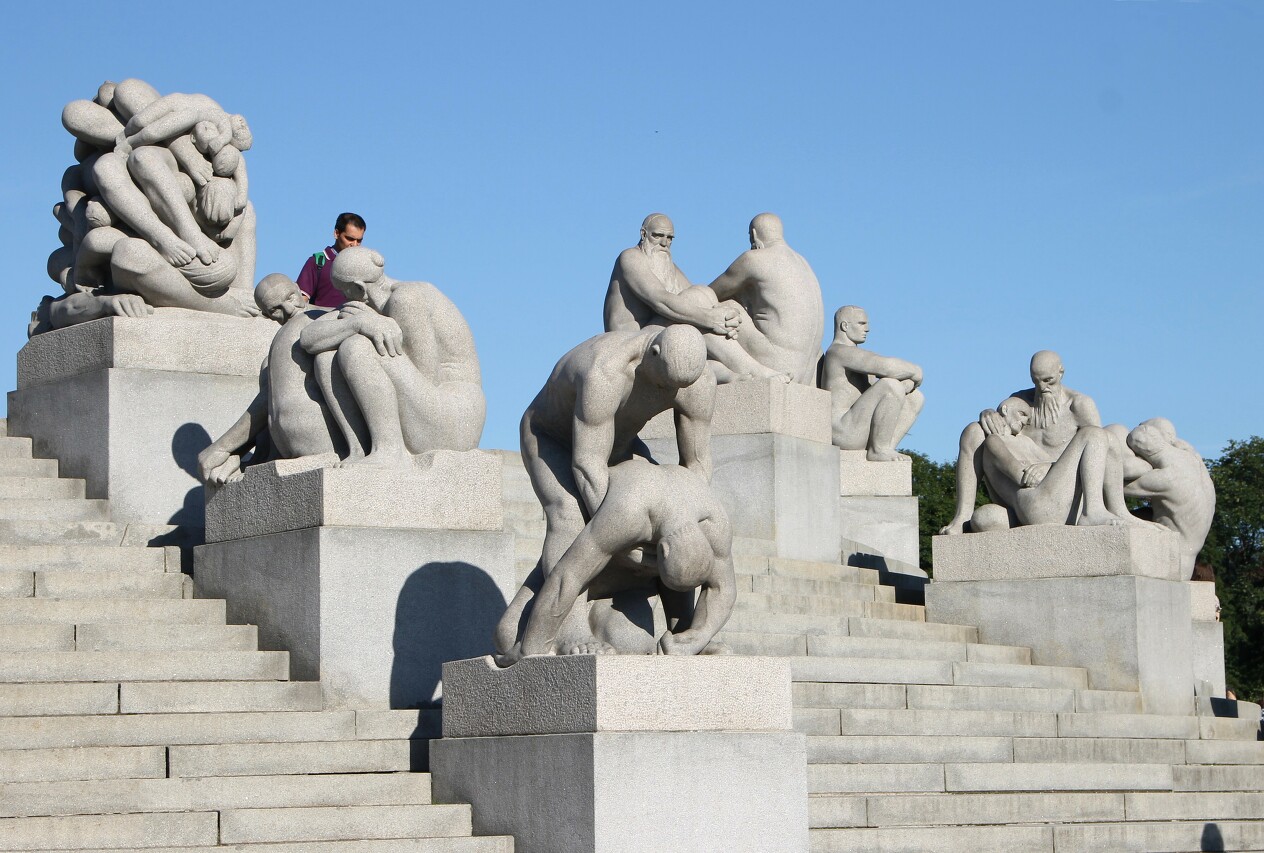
(290,404)
(1083,486)
(1057,414)
(156,209)
(664,508)
(586,418)
(875,398)
(401,352)
(1169,473)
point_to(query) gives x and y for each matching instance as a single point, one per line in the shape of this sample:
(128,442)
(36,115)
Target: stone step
(902,749)
(1160,836)
(76,763)
(821,605)
(1214,805)
(455,844)
(156,729)
(96,533)
(903,722)
(189,611)
(832,696)
(158,637)
(526,527)
(946,698)
(210,697)
(1219,777)
(964,809)
(524,510)
(58,698)
(113,558)
(802,569)
(347,823)
(941,839)
(1127,726)
(15,583)
(125,831)
(885,647)
(18,466)
(757,644)
(1224,752)
(764,621)
(779,584)
(118,796)
(144,666)
(902,629)
(997,776)
(15,446)
(50,509)
(39,488)
(749,546)
(905,671)
(1074,750)
(96,585)
(298,757)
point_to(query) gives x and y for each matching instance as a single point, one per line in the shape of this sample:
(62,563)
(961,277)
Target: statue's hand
(723,321)
(385,333)
(210,459)
(992,422)
(229,472)
(1033,475)
(129,305)
(680,644)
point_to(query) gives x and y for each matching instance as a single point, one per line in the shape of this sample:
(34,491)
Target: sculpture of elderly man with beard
(1057,414)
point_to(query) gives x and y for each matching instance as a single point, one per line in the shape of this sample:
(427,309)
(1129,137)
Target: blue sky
(987,178)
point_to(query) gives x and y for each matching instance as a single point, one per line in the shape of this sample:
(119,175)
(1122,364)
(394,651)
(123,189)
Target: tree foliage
(1235,551)
(935,484)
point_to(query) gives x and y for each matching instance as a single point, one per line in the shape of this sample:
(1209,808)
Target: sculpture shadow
(446,611)
(187,442)
(1212,839)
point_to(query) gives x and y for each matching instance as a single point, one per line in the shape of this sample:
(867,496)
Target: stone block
(758,407)
(602,693)
(1143,622)
(1209,656)
(444,490)
(629,792)
(775,487)
(1058,551)
(1204,605)
(373,613)
(885,526)
(858,476)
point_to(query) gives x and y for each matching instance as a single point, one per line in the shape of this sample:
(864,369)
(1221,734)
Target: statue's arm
(882,366)
(1156,482)
(191,161)
(694,408)
(82,307)
(592,440)
(1085,410)
(242,183)
(1004,461)
(739,274)
(635,273)
(238,436)
(715,601)
(969,472)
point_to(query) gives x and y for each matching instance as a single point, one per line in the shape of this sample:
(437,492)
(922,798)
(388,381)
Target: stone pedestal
(884,525)
(624,754)
(1107,599)
(858,476)
(774,469)
(370,578)
(128,403)
(1209,666)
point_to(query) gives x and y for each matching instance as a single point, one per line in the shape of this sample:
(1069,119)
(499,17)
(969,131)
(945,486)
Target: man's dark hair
(345,219)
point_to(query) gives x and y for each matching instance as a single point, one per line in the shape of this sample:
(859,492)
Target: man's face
(1145,441)
(352,236)
(289,303)
(1016,417)
(659,236)
(1047,378)
(855,325)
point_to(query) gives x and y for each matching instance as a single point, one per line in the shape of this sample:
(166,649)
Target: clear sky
(987,178)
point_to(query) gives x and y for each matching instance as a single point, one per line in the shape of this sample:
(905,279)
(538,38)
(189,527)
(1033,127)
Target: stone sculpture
(657,522)
(401,353)
(155,211)
(585,419)
(1169,473)
(761,318)
(290,404)
(1083,486)
(875,398)
(1057,412)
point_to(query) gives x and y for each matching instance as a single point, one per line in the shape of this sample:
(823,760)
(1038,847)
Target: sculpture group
(155,213)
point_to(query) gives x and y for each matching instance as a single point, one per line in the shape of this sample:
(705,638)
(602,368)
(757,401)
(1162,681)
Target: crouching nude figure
(657,521)
(1083,486)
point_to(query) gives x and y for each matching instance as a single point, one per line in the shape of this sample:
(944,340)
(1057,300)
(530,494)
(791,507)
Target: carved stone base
(617,773)
(128,403)
(858,476)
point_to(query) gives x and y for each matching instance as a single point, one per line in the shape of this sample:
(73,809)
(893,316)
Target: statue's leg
(360,364)
(853,429)
(436,417)
(732,358)
(156,172)
(92,263)
(128,203)
(342,405)
(888,405)
(913,403)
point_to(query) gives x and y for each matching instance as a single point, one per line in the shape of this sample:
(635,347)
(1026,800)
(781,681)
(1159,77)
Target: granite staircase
(132,717)
(921,738)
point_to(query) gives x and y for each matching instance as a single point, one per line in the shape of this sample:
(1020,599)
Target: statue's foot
(715,647)
(207,249)
(954,529)
(1101,518)
(175,251)
(885,456)
(235,302)
(595,647)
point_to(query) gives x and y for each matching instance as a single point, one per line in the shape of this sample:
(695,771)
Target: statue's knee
(889,386)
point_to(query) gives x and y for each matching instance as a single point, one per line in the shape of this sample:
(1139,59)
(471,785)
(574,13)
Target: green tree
(935,484)
(1235,551)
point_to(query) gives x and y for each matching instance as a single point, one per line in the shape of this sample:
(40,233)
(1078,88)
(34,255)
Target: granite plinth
(128,403)
(1058,550)
(1209,656)
(885,525)
(858,476)
(599,693)
(442,490)
(626,791)
(760,406)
